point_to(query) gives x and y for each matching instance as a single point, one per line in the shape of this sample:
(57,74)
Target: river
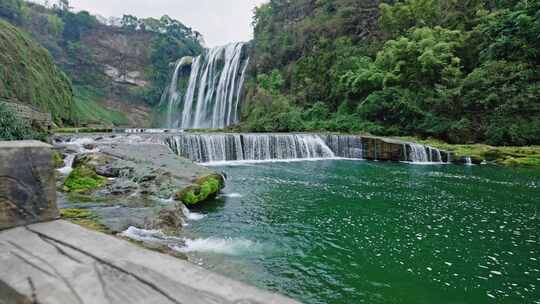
(340,231)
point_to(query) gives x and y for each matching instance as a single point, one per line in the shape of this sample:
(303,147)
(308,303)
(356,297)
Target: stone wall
(27,113)
(378,148)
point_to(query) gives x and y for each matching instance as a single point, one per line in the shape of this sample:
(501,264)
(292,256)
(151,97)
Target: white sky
(220,21)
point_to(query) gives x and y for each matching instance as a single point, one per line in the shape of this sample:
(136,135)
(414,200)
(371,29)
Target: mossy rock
(83,179)
(91,160)
(204,188)
(58,160)
(84,218)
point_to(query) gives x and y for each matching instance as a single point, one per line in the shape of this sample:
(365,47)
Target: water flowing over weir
(213,93)
(210,148)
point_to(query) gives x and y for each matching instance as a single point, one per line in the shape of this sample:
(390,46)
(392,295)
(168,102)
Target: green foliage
(88,110)
(507,94)
(459,71)
(61,31)
(76,24)
(398,18)
(424,58)
(28,74)
(58,161)
(11,128)
(10,10)
(83,179)
(512,34)
(272,83)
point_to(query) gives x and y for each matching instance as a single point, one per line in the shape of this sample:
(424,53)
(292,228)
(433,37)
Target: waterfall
(208,148)
(468,161)
(212,148)
(172,93)
(214,90)
(417,153)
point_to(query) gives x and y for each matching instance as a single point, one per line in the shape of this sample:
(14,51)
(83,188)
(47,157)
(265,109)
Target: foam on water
(68,165)
(143,235)
(232,195)
(226,246)
(192,216)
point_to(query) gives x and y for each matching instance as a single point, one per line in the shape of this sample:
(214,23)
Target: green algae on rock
(204,188)
(85,218)
(83,179)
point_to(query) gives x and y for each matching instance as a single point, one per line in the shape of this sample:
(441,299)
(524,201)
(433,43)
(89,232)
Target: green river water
(342,231)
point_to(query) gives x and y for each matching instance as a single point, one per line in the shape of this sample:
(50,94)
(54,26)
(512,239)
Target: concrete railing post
(27,183)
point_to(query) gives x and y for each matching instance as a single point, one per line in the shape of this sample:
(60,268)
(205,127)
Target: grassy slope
(89,111)
(28,74)
(509,156)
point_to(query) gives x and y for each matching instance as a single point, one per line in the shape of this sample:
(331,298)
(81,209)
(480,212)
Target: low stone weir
(208,148)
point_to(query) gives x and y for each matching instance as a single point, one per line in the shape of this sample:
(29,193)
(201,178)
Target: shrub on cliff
(11,128)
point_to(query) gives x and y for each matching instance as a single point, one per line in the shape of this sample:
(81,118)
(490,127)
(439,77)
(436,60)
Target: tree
(63,5)
(130,22)
(11,10)
(424,57)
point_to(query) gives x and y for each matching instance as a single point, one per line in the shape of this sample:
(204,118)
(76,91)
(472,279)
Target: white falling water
(421,154)
(173,94)
(418,153)
(211,148)
(214,90)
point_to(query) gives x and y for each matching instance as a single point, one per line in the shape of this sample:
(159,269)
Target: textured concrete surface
(27,187)
(59,262)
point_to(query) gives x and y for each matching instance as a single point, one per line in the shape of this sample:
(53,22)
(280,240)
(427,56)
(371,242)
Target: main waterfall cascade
(209,148)
(214,90)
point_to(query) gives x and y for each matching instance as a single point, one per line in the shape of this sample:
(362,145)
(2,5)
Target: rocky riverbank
(113,182)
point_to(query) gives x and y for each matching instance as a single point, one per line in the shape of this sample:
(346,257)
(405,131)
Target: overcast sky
(220,21)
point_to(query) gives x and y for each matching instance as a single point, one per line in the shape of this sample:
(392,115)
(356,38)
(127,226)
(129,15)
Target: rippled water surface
(369,232)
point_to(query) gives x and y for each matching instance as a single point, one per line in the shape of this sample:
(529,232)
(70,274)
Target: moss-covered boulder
(204,188)
(28,75)
(83,179)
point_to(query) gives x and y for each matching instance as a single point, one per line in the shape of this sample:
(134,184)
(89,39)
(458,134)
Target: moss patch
(84,218)
(58,161)
(506,156)
(83,179)
(204,188)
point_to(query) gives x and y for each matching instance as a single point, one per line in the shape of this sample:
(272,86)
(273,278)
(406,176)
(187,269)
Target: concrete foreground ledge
(59,262)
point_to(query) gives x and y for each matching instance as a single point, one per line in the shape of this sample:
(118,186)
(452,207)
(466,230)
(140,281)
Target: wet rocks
(141,182)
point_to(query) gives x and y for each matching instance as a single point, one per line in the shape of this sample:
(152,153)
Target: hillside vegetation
(115,65)
(28,75)
(460,71)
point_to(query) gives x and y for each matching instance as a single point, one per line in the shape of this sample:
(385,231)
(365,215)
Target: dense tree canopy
(462,71)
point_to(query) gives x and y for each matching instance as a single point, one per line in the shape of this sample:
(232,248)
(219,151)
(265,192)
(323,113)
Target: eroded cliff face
(122,56)
(115,62)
